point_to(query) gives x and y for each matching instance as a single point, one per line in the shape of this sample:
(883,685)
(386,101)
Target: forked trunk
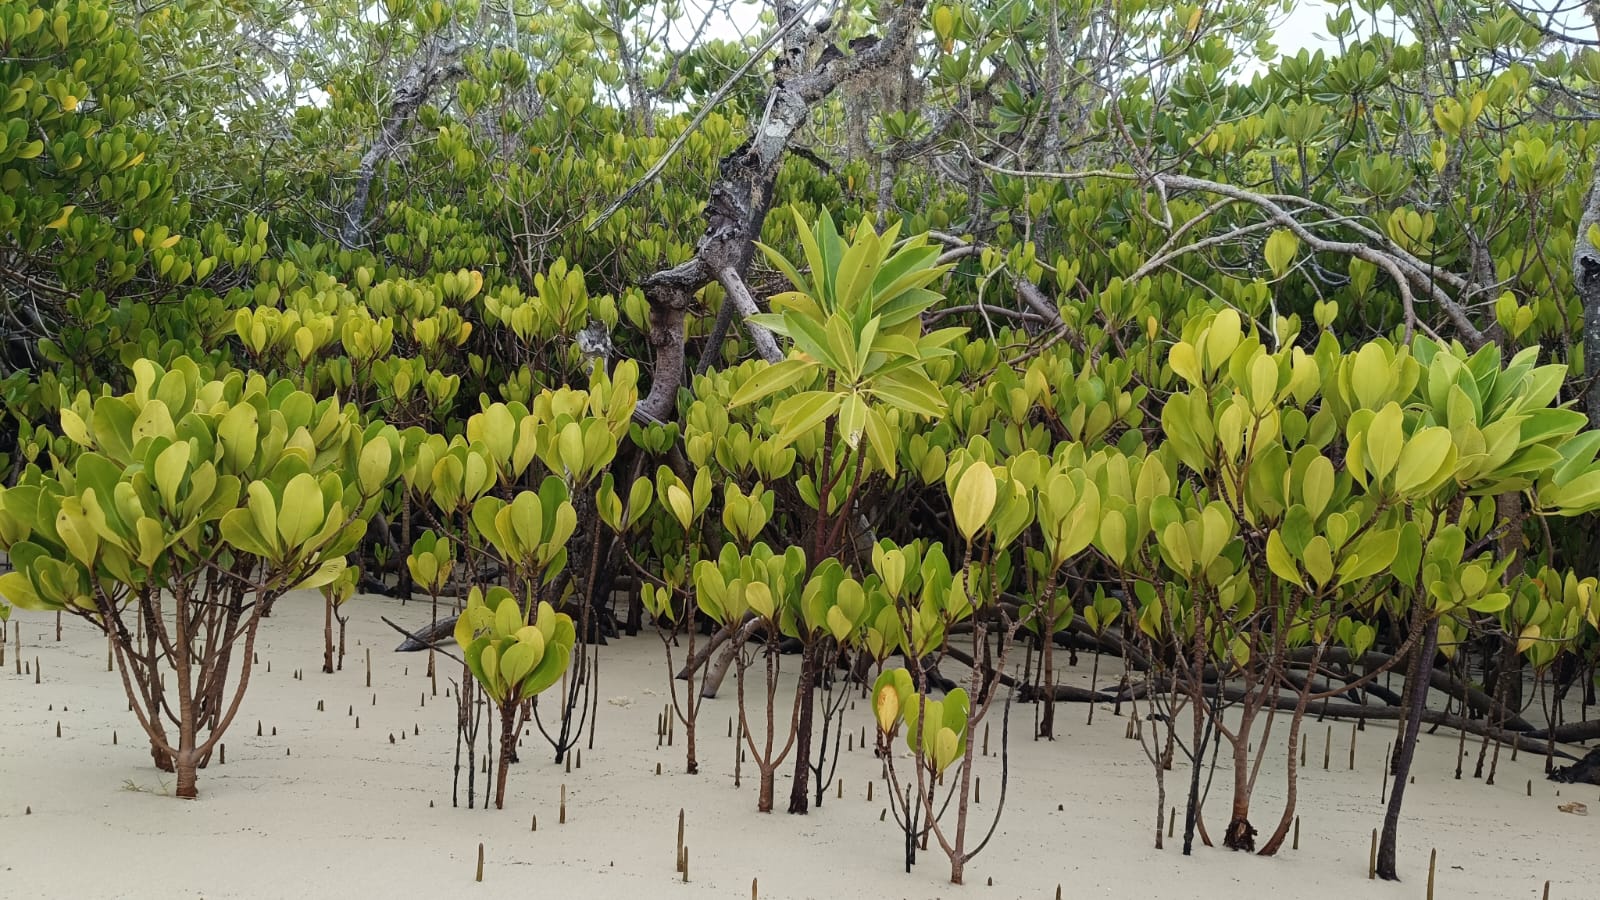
(768,780)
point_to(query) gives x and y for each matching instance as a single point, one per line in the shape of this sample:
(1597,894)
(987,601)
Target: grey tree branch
(1586,275)
(437,63)
(745,306)
(1407,271)
(706,109)
(742,193)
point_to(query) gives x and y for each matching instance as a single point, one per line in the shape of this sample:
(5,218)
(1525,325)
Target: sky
(1302,27)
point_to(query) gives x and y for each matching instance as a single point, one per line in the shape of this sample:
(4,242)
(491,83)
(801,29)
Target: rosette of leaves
(834,603)
(513,659)
(921,599)
(856,326)
(431,562)
(529,533)
(936,730)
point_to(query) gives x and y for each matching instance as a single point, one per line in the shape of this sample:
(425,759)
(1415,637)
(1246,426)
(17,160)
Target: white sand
(347,814)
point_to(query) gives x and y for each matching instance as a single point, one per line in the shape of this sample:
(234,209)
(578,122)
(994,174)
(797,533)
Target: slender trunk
(1202,733)
(1291,793)
(403,579)
(327,635)
(508,749)
(691,764)
(343,621)
(433,673)
(768,779)
(1094,678)
(1416,701)
(469,725)
(691,703)
(982,693)
(185,761)
(1240,834)
(153,691)
(800,794)
(1047,718)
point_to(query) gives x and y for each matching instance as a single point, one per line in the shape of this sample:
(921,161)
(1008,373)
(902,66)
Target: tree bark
(327,635)
(1586,279)
(1417,698)
(437,63)
(742,193)
(508,750)
(800,793)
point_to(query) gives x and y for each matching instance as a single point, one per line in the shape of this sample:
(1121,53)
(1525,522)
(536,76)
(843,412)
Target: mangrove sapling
(334,596)
(659,601)
(893,688)
(835,694)
(662,596)
(513,659)
(579,693)
(991,508)
(768,585)
(451,477)
(1099,615)
(867,293)
(577,445)
(937,733)
(187,492)
(833,609)
(430,564)
(1068,517)
(766,759)
(529,534)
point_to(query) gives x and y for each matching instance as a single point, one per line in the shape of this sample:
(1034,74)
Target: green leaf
(803,412)
(974,499)
(521,658)
(909,390)
(302,512)
(1280,561)
(772,379)
(1280,251)
(1430,453)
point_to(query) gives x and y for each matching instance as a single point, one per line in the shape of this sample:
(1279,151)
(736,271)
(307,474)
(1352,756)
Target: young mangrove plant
(513,658)
(335,594)
(767,586)
(191,505)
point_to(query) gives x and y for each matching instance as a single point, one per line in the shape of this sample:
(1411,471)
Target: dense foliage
(1263,372)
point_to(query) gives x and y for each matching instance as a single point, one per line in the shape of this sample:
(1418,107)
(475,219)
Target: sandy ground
(324,808)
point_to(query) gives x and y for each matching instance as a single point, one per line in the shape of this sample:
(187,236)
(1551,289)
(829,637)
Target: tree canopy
(886,323)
